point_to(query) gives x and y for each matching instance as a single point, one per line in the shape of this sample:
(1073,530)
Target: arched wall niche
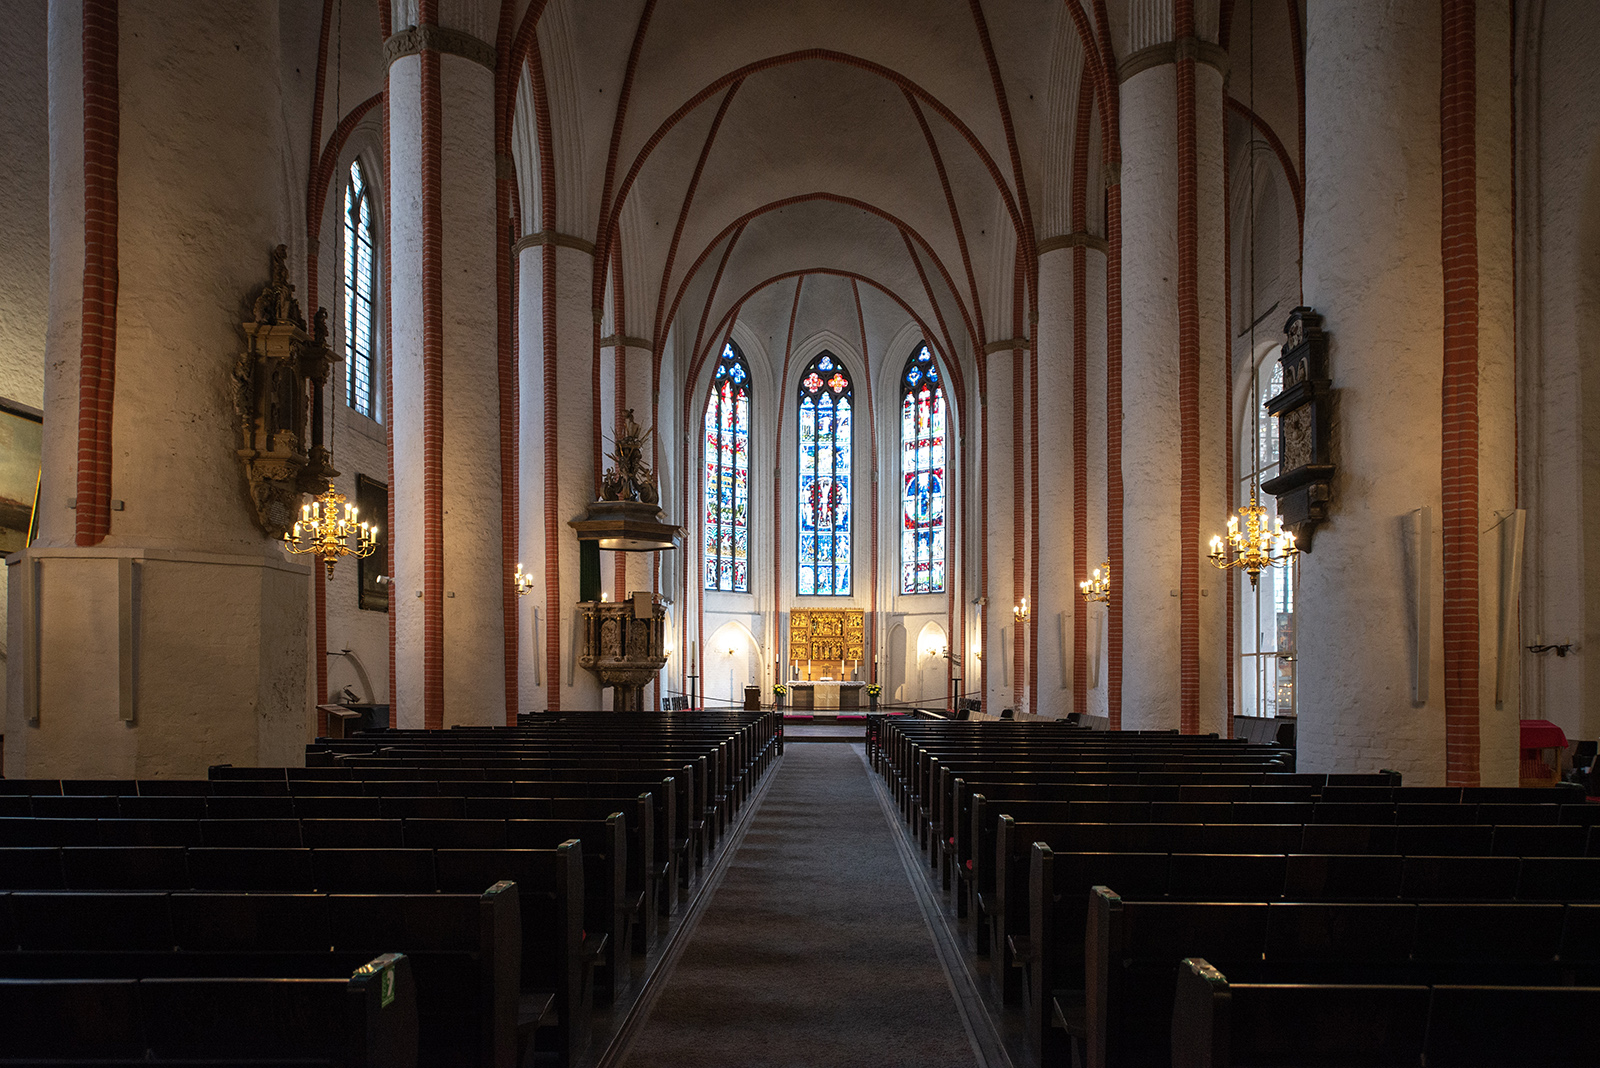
(896,656)
(928,680)
(731,660)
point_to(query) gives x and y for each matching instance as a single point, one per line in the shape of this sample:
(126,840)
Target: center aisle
(813,950)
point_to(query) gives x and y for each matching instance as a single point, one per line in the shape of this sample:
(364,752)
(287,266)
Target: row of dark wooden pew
(1091,883)
(499,883)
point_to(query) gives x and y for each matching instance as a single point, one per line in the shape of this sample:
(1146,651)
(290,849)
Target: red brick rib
(98,348)
(1459,250)
(1188,384)
(432,141)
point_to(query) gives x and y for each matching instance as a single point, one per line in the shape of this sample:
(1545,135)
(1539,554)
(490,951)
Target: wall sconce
(1097,587)
(522,580)
(1020,612)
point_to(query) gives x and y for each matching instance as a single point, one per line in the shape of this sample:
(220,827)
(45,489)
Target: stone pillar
(1058,608)
(998,641)
(1173,458)
(1095,683)
(168,632)
(555,363)
(448,565)
(1373,268)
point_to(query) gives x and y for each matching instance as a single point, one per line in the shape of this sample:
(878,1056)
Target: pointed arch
(826,417)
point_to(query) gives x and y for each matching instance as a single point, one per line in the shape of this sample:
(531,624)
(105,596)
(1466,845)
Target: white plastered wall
(1558,284)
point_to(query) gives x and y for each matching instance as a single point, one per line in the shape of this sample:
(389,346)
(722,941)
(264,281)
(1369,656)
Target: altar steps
(823,727)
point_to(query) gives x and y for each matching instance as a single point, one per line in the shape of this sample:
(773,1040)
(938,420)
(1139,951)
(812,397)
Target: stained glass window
(825,478)
(922,475)
(360,360)
(727,475)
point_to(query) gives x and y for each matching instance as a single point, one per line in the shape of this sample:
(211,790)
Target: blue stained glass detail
(922,446)
(727,475)
(823,516)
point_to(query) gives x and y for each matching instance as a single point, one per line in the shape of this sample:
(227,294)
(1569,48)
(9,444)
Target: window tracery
(824,514)
(359,311)
(922,475)
(727,475)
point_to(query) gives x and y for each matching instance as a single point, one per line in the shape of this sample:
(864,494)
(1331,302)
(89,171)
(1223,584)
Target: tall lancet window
(922,440)
(825,478)
(361,364)
(727,475)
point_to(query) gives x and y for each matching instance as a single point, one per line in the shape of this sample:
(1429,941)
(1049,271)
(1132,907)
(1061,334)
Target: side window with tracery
(361,361)
(727,475)
(825,409)
(1267,607)
(922,475)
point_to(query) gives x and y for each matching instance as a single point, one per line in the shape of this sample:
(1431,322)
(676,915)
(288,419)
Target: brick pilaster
(1459,462)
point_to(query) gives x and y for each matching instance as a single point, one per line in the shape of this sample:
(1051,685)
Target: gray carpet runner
(813,950)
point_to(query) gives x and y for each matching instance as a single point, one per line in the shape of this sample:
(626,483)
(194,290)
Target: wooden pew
(548,898)
(618,882)
(953,804)
(999,881)
(1134,947)
(464,950)
(366,1020)
(696,802)
(1217,1023)
(337,792)
(1053,951)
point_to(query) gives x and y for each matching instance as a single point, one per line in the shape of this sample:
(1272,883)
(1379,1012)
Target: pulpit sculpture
(624,641)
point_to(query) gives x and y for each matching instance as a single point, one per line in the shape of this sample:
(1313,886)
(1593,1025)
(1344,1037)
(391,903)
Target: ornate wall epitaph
(1304,485)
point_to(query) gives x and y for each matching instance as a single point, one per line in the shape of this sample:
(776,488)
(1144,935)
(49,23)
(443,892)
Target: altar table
(825,696)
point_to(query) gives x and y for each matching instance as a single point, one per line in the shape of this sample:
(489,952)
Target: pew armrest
(536,1008)
(1069,1013)
(1200,1017)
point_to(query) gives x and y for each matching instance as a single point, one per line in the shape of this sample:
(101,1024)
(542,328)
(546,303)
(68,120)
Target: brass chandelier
(325,530)
(1097,587)
(1255,547)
